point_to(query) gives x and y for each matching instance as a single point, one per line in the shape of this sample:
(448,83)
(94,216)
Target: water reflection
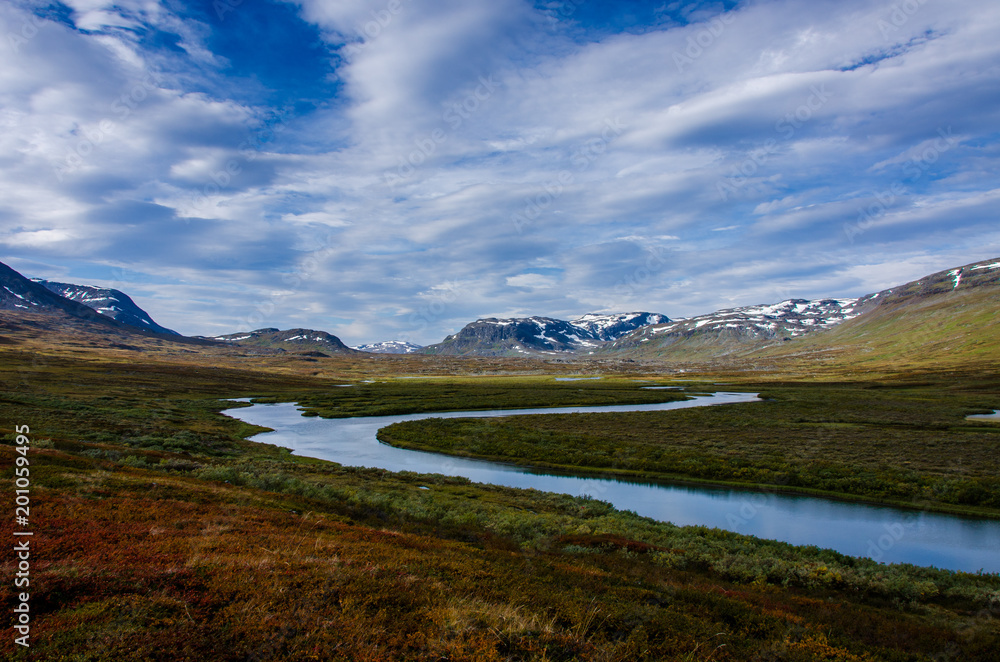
(885,534)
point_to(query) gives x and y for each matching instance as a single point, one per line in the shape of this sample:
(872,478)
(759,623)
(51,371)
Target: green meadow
(900,443)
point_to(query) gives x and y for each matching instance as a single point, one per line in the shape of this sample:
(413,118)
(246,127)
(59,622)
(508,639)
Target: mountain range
(950,314)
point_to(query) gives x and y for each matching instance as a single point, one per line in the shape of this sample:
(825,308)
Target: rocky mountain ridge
(533,335)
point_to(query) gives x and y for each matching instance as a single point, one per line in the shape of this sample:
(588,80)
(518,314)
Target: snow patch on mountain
(108,302)
(787,319)
(531,335)
(389,347)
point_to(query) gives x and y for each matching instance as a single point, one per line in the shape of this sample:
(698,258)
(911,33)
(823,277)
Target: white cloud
(531,281)
(611,148)
(39,238)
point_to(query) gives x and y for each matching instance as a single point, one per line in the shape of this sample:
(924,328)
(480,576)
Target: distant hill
(109,302)
(390,347)
(534,335)
(292,340)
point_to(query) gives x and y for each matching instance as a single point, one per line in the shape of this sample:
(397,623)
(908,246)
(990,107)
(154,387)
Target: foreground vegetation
(903,443)
(162,534)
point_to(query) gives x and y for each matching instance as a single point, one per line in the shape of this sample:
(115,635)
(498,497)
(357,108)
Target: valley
(157,518)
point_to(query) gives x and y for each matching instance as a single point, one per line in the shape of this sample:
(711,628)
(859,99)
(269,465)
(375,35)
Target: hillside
(950,317)
(946,317)
(21,295)
(735,330)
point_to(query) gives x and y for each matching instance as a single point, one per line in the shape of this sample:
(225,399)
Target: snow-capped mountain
(292,340)
(20,293)
(530,335)
(787,318)
(389,347)
(108,302)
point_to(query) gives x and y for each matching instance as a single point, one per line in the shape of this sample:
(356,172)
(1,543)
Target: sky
(395,169)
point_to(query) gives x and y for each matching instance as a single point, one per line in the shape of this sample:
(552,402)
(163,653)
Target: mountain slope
(109,302)
(18,293)
(734,330)
(948,318)
(532,335)
(292,340)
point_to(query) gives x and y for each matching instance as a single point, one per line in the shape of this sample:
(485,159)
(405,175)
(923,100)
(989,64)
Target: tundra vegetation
(161,533)
(901,442)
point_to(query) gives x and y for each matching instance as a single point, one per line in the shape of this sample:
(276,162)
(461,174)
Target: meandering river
(886,534)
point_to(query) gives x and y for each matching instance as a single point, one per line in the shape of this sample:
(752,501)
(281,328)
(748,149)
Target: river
(886,534)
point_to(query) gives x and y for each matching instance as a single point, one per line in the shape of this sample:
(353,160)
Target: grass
(908,445)
(162,534)
(387,398)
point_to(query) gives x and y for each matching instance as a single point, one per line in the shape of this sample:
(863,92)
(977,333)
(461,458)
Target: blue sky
(397,168)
